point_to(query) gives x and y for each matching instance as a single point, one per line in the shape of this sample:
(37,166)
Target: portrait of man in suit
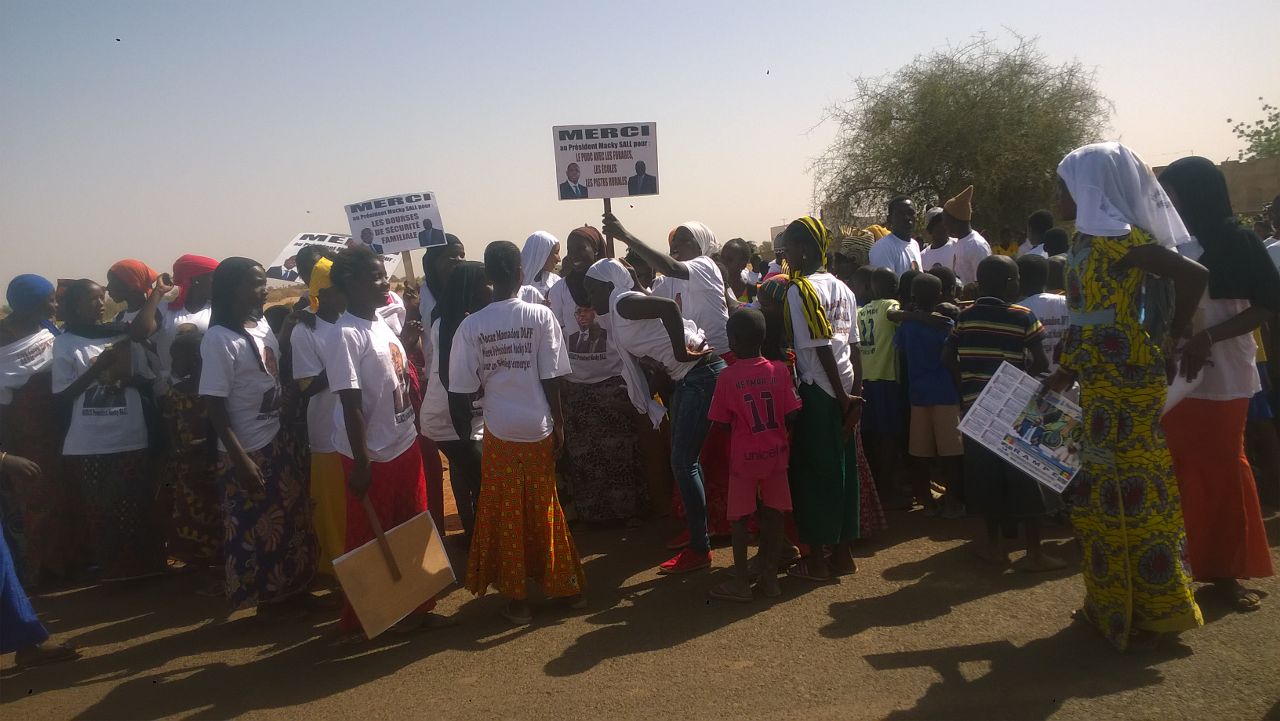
(642,183)
(430,235)
(287,271)
(570,189)
(366,237)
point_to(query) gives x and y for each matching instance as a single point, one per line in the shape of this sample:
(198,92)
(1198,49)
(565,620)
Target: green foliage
(1261,138)
(999,119)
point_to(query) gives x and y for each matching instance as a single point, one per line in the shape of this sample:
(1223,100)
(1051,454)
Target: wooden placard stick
(608,208)
(410,278)
(385,547)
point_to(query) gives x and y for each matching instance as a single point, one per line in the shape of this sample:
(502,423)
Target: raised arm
(146,323)
(659,261)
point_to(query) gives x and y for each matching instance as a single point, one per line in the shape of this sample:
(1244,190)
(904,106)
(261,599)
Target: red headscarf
(186,269)
(134,273)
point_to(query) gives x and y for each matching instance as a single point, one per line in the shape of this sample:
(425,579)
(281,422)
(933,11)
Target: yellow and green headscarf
(812,229)
(319,281)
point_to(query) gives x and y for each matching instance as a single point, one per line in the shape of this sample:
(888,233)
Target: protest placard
(397,223)
(606,161)
(284,267)
(1039,434)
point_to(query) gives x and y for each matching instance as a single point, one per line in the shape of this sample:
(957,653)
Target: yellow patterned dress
(1125,503)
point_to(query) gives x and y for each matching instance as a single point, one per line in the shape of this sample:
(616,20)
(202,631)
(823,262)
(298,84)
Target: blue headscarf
(28,292)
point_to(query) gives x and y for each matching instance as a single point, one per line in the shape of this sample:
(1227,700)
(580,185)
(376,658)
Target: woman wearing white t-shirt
(538,261)
(437,263)
(644,326)
(270,547)
(1226,538)
(600,432)
(161,322)
(820,313)
(97,374)
(307,344)
(367,369)
(515,352)
(455,423)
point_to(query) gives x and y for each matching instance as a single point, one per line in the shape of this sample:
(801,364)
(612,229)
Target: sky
(153,129)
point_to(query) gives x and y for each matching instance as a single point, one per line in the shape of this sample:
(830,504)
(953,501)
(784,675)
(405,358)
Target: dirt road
(922,631)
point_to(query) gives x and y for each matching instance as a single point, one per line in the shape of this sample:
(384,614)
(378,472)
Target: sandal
(517,617)
(801,570)
(725,592)
(1247,599)
(45,653)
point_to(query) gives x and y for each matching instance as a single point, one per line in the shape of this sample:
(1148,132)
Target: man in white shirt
(897,251)
(971,247)
(942,247)
(1038,223)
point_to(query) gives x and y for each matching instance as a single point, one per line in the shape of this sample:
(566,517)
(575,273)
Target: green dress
(1125,503)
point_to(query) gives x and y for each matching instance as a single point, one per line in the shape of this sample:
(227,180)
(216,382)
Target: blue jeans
(690,403)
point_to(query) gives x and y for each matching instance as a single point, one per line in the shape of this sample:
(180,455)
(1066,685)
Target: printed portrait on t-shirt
(590,337)
(105,397)
(404,409)
(271,399)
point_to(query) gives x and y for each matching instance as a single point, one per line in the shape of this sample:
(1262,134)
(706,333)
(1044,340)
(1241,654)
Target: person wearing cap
(971,247)
(942,247)
(897,251)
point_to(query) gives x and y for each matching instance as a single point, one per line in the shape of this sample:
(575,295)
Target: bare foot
(45,653)
(1040,563)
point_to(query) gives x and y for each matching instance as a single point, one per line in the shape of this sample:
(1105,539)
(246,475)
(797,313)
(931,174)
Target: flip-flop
(519,619)
(720,594)
(57,653)
(801,570)
(1248,599)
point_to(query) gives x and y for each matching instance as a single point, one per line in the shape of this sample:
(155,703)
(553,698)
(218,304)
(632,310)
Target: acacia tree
(1261,137)
(999,119)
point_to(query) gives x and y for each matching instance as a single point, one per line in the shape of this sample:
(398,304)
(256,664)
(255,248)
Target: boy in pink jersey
(756,398)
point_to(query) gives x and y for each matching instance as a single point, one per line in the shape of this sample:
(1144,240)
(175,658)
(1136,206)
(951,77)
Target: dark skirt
(119,494)
(269,544)
(825,491)
(998,492)
(601,447)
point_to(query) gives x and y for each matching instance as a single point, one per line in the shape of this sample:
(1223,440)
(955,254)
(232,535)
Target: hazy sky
(225,128)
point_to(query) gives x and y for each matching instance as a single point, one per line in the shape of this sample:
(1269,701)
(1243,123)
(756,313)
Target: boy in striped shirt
(989,332)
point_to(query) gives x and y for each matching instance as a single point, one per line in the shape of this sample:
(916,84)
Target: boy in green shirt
(884,420)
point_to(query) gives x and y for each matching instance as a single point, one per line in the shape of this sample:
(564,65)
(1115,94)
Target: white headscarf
(613,271)
(1114,191)
(701,233)
(533,256)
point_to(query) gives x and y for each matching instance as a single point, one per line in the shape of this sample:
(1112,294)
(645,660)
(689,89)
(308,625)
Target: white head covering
(533,256)
(701,233)
(610,270)
(1114,191)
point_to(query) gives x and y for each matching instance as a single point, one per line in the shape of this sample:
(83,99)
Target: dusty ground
(922,631)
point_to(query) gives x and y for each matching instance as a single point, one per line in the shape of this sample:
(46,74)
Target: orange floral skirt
(520,530)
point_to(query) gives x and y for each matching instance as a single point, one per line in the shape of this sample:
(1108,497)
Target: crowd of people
(197,428)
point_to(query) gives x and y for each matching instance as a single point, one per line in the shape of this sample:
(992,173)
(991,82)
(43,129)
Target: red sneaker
(686,561)
(679,541)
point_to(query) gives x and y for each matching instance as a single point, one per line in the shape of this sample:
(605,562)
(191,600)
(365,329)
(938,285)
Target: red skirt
(1225,534)
(398,492)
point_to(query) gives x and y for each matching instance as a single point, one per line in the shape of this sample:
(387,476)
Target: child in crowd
(1049,308)
(1057,275)
(756,400)
(950,286)
(934,440)
(884,420)
(516,353)
(992,331)
(197,530)
(1056,242)
(903,288)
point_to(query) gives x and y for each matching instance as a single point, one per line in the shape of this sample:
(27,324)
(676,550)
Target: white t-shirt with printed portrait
(366,355)
(1051,310)
(509,348)
(309,348)
(586,336)
(701,299)
(252,391)
(842,309)
(107,417)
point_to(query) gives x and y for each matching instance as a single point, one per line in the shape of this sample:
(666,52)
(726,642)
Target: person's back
(992,330)
(1049,308)
(875,330)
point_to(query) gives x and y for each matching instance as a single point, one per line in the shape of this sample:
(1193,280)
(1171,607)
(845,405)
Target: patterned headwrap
(878,231)
(775,287)
(134,273)
(811,229)
(185,270)
(319,281)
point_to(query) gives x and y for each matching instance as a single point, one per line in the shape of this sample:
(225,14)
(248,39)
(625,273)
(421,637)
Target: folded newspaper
(1038,435)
